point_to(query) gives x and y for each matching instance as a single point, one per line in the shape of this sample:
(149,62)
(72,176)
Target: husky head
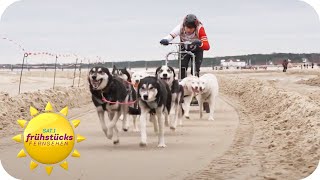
(148,89)
(195,84)
(203,86)
(137,76)
(99,77)
(121,73)
(191,83)
(166,73)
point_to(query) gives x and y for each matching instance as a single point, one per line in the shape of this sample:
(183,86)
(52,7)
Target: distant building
(232,63)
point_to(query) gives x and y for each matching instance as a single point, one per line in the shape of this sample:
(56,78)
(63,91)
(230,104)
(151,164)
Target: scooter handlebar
(182,43)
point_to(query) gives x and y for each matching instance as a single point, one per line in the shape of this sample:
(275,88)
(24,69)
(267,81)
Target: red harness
(113,102)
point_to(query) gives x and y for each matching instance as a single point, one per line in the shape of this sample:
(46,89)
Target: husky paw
(162,145)
(125,130)
(143,144)
(187,117)
(211,119)
(136,130)
(109,136)
(115,142)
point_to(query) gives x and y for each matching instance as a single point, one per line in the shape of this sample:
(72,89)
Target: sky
(131,30)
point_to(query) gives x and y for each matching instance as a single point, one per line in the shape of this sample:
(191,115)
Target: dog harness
(152,106)
(105,100)
(208,96)
(186,87)
(129,91)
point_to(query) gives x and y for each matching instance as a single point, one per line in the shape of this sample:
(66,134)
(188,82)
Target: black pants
(186,58)
(285,68)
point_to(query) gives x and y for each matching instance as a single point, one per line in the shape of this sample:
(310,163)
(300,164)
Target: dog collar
(152,106)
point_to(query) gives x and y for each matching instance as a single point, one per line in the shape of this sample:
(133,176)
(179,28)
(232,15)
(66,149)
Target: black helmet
(191,21)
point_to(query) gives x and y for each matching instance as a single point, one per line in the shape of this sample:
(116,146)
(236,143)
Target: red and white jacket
(199,34)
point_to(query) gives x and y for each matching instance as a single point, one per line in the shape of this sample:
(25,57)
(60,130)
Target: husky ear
(106,70)
(114,69)
(157,71)
(171,68)
(110,77)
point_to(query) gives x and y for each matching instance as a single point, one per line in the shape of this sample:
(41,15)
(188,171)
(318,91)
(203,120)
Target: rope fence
(29,58)
(69,62)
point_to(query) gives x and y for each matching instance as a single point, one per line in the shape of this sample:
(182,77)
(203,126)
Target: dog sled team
(158,98)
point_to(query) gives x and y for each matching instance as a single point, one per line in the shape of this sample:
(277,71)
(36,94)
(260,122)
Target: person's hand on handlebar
(164,42)
(197,43)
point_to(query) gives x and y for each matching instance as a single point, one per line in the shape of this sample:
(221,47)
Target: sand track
(189,149)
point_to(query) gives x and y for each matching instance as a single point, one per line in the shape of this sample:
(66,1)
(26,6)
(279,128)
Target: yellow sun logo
(48,138)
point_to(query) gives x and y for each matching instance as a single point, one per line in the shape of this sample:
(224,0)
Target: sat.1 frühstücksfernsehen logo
(48,138)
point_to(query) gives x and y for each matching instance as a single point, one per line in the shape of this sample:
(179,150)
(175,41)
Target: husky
(208,92)
(154,101)
(109,94)
(167,74)
(125,75)
(191,89)
(137,76)
(122,73)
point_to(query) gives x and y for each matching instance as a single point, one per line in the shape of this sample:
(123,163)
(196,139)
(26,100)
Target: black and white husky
(122,73)
(154,101)
(167,74)
(109,94)
(125,75)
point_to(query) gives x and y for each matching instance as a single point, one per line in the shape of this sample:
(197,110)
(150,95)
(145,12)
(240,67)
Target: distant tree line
(255,59)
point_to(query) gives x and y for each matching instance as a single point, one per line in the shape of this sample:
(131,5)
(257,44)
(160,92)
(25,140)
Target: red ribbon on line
(15,43)
(112,102)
